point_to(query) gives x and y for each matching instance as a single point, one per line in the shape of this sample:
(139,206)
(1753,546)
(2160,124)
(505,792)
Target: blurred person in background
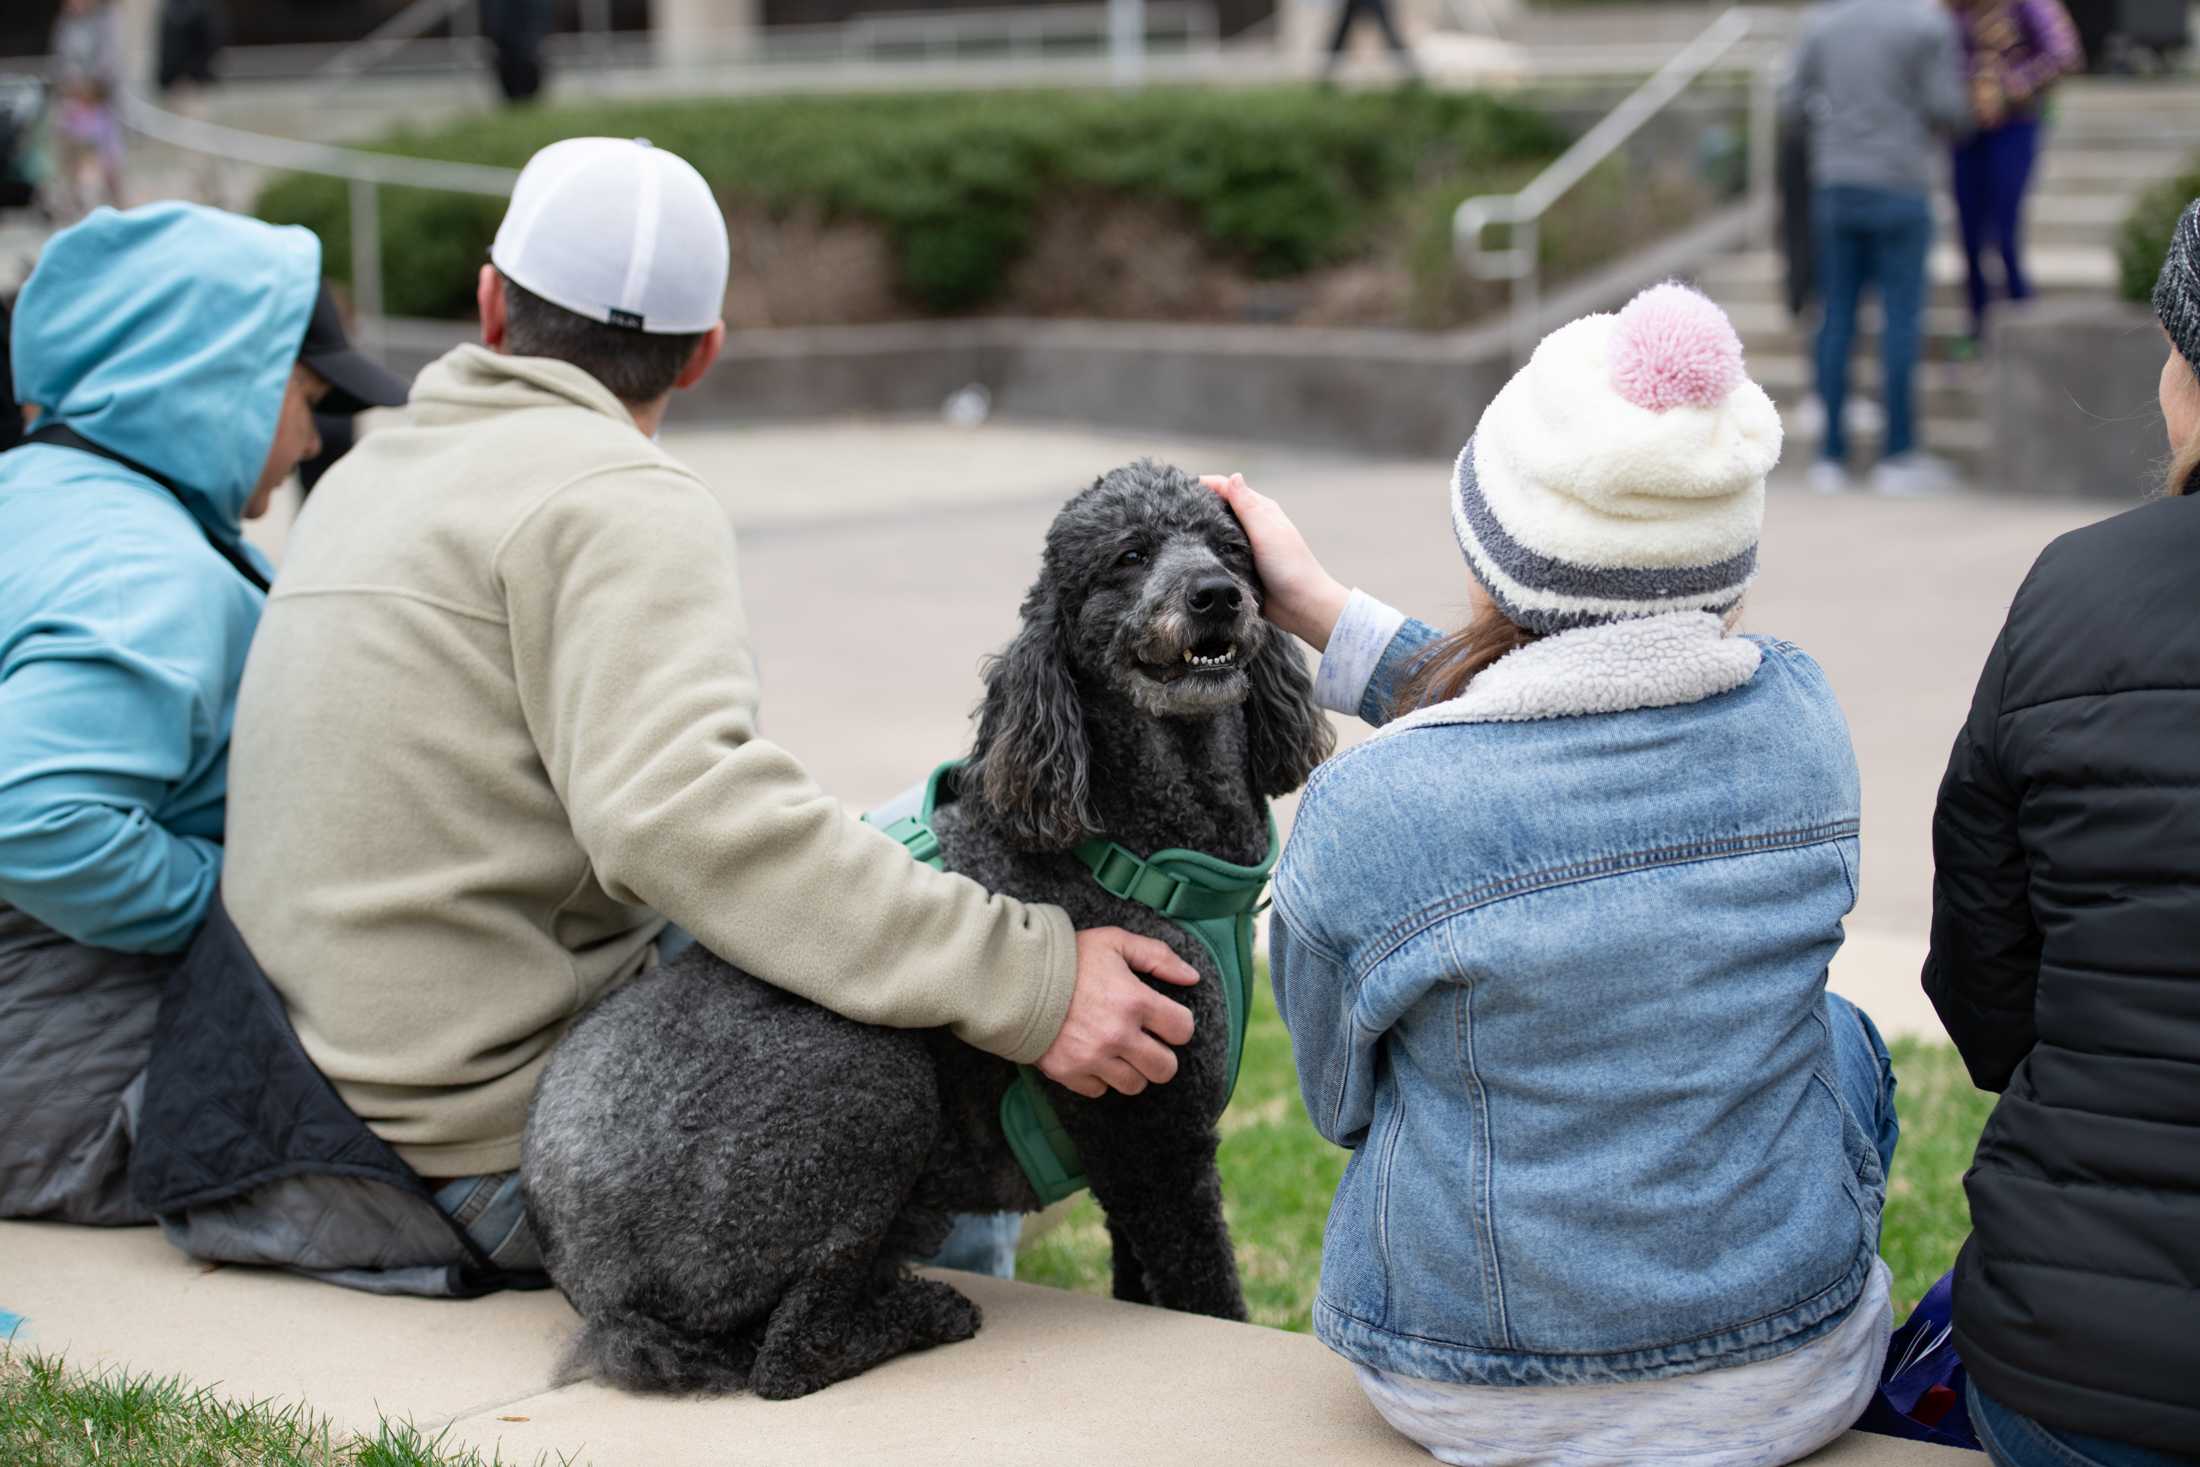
(190,40)
(517,28)
(177,354)
(2066,916)
(191,33)
(1878,83)
(2014,51)
(1349,14)
(87,118)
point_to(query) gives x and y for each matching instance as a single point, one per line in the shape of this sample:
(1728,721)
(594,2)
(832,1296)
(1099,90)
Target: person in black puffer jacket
(2065,964)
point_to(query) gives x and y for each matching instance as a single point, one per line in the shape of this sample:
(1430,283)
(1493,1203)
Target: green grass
(1278,1177)
(50,1417)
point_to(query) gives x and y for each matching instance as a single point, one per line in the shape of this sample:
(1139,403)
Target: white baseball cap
(620,232)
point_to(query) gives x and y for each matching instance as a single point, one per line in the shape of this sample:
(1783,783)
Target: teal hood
(167,335)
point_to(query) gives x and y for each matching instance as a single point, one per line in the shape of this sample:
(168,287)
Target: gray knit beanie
(2177,290)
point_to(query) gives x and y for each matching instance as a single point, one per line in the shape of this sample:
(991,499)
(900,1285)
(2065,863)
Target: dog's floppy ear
(1287,733)
(1032,763)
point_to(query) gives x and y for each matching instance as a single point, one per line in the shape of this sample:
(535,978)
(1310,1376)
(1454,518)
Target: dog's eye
(1131,557)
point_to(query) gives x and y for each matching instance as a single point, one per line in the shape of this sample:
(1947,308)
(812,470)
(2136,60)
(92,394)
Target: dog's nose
(1215,596)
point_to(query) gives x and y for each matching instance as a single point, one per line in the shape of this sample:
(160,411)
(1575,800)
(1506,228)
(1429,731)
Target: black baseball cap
(356,381)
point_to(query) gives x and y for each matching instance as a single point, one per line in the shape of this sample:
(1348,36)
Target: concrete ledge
(1053,1378)
(1391,393)
(2071,401)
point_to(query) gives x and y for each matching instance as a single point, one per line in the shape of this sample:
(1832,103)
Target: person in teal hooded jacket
(176,355)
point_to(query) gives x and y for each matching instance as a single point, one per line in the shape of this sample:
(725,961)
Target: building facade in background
(25,24)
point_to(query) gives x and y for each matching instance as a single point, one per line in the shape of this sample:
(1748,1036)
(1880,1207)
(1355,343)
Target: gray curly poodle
(730,1183)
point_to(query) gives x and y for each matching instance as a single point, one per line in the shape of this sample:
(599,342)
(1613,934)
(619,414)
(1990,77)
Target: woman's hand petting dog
(1118,1030)
(1302,598)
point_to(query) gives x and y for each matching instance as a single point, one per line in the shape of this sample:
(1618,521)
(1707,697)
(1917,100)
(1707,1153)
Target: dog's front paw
(940,1315)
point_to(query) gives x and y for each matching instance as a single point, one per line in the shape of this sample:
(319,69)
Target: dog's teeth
(1188,657)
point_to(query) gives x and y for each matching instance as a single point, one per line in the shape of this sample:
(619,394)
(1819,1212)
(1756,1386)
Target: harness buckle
(917,838)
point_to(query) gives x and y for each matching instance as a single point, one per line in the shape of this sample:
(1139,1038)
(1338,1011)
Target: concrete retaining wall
(1367,392)
(2071,401)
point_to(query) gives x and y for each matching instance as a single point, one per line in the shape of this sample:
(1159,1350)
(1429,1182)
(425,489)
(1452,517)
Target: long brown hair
(1444,670)
(2183,476)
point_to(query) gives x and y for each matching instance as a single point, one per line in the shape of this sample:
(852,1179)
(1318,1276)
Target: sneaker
(1915,475)
(1829,477)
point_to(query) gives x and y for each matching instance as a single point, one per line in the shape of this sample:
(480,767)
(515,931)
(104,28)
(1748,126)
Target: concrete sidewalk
(1055,1378)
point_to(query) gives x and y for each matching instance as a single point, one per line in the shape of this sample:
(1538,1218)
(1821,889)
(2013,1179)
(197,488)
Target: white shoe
(1829,477)
(1915,475)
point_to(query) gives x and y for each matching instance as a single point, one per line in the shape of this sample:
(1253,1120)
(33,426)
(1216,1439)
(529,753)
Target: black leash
(59,436)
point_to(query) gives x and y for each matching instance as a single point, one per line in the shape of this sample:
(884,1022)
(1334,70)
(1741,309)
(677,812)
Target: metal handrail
(1520,261)
(388,38)
(367,173)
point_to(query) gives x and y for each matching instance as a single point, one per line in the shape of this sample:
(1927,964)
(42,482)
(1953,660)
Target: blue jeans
(983,1242)
(493,1212)
(1872,237)
(2013,1440)
(1864,1075)
(1991,173)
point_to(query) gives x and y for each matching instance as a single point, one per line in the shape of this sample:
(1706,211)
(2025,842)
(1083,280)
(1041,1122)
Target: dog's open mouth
(1207,657)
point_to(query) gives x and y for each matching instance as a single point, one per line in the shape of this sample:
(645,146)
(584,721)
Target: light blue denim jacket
(1557,981)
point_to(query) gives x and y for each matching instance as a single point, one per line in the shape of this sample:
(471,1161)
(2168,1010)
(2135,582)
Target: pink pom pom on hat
(1672,347)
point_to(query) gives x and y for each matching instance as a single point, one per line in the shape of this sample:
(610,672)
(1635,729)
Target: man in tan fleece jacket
(500,724)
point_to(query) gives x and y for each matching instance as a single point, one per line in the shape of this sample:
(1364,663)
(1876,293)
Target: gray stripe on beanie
(2177,289)
(1653,590)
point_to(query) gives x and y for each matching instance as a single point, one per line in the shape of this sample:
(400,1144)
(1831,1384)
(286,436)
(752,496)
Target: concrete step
(2056,219)
(1961,441)
(2128,168)
(1756,277)
(1766,327)
(2093,94)
(1950,391)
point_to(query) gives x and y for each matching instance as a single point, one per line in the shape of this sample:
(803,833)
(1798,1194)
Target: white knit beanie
(1621,473)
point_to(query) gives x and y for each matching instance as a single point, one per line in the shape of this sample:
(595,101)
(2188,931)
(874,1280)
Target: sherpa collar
(1646,662)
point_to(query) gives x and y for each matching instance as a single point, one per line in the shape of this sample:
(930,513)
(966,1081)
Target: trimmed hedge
(1280,181)
(2144,242)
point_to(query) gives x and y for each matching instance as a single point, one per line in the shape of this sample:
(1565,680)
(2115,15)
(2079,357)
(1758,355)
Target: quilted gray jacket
(76,1024)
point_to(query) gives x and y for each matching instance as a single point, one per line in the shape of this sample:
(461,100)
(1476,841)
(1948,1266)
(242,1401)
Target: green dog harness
(1211,899)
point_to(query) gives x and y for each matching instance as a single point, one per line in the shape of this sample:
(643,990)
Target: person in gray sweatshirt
(1880,86)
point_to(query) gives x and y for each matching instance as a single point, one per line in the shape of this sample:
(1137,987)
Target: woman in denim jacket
(1552,946)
